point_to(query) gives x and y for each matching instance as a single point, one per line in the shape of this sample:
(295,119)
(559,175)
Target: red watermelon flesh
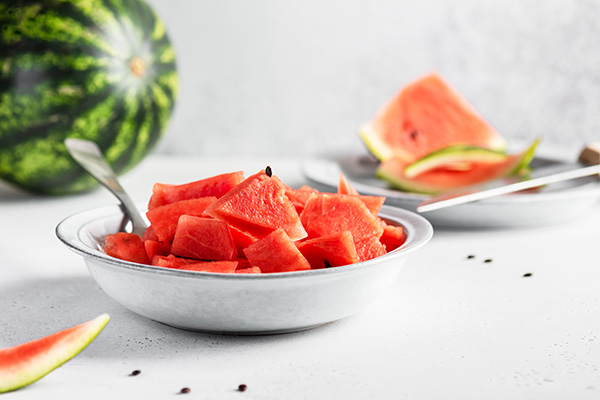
(164,219)
(329,251)
(423,117)
(250,270)
(242,262)
(215,186)
(126,246)
(298,197)
(369,248)
(154,248)
(276,252)
(373,203)
(203,239)
(223,267)
(439,178)
(171,261)
(26,363)
(258,206)
(241,239)
(393,236)
(345,187)
(149,234)
(329,213)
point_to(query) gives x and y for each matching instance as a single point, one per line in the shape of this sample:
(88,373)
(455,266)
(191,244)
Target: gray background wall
(266,77)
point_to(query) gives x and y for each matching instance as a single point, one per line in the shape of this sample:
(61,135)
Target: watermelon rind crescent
(28,362)
(453,155)
(393,171)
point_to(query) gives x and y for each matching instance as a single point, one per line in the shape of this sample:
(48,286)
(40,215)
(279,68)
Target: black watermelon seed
(242,388)
(269,171)
(327,264)
(489,260)
(135,372)
(470,256)
(185,390)
(527,275)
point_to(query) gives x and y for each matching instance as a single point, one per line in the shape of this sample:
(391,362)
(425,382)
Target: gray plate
(555,203)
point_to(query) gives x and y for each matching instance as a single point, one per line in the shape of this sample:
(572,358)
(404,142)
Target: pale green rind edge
(374,144)
(452,154)
(383,152)
(521,167)
(403,185)
(54,358)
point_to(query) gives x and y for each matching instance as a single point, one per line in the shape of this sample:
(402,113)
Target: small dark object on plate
(242,388)
(470,256)
(135,372)
(185,390)
(489,260)
(527,275)
(269,171)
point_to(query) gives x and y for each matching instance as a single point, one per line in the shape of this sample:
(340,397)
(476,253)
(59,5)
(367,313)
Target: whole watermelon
(102,70)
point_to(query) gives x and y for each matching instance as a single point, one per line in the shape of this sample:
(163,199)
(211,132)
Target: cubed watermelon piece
(276,252)
(126,246)
(215,186)
(154,248)
(298,197)
(251,270)
(164,219)
(241,239)
(149,234)
(258,206)
(171,261)
(345,187)
(242,262)
(329,251)
(393,236)
(369,248)
(203,239)
(329,213)
(224,267)
(373,203)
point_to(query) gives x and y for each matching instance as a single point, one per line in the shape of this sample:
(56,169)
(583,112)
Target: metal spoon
(89,156)
(470,195)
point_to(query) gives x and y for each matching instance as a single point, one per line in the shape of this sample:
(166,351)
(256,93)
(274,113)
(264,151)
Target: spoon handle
(467,195)
(89,156)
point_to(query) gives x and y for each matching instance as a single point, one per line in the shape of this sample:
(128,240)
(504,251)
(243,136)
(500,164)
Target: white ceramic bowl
(238,303)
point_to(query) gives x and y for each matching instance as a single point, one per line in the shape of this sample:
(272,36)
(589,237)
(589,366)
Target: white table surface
(450,327)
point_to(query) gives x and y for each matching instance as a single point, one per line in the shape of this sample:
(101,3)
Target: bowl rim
(419,231)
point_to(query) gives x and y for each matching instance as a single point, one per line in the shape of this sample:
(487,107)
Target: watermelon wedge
(329,251)
(28,362)
(393,236)
(258,206)
(214,186)
(330,213)
(204,239)
(436,172)
(164,219)
(276,253)
(373,203)
(126,246)
(425,116)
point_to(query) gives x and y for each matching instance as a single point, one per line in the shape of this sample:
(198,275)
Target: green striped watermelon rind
(67,71)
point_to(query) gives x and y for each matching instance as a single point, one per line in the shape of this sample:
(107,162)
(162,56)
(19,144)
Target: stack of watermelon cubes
(231,224)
